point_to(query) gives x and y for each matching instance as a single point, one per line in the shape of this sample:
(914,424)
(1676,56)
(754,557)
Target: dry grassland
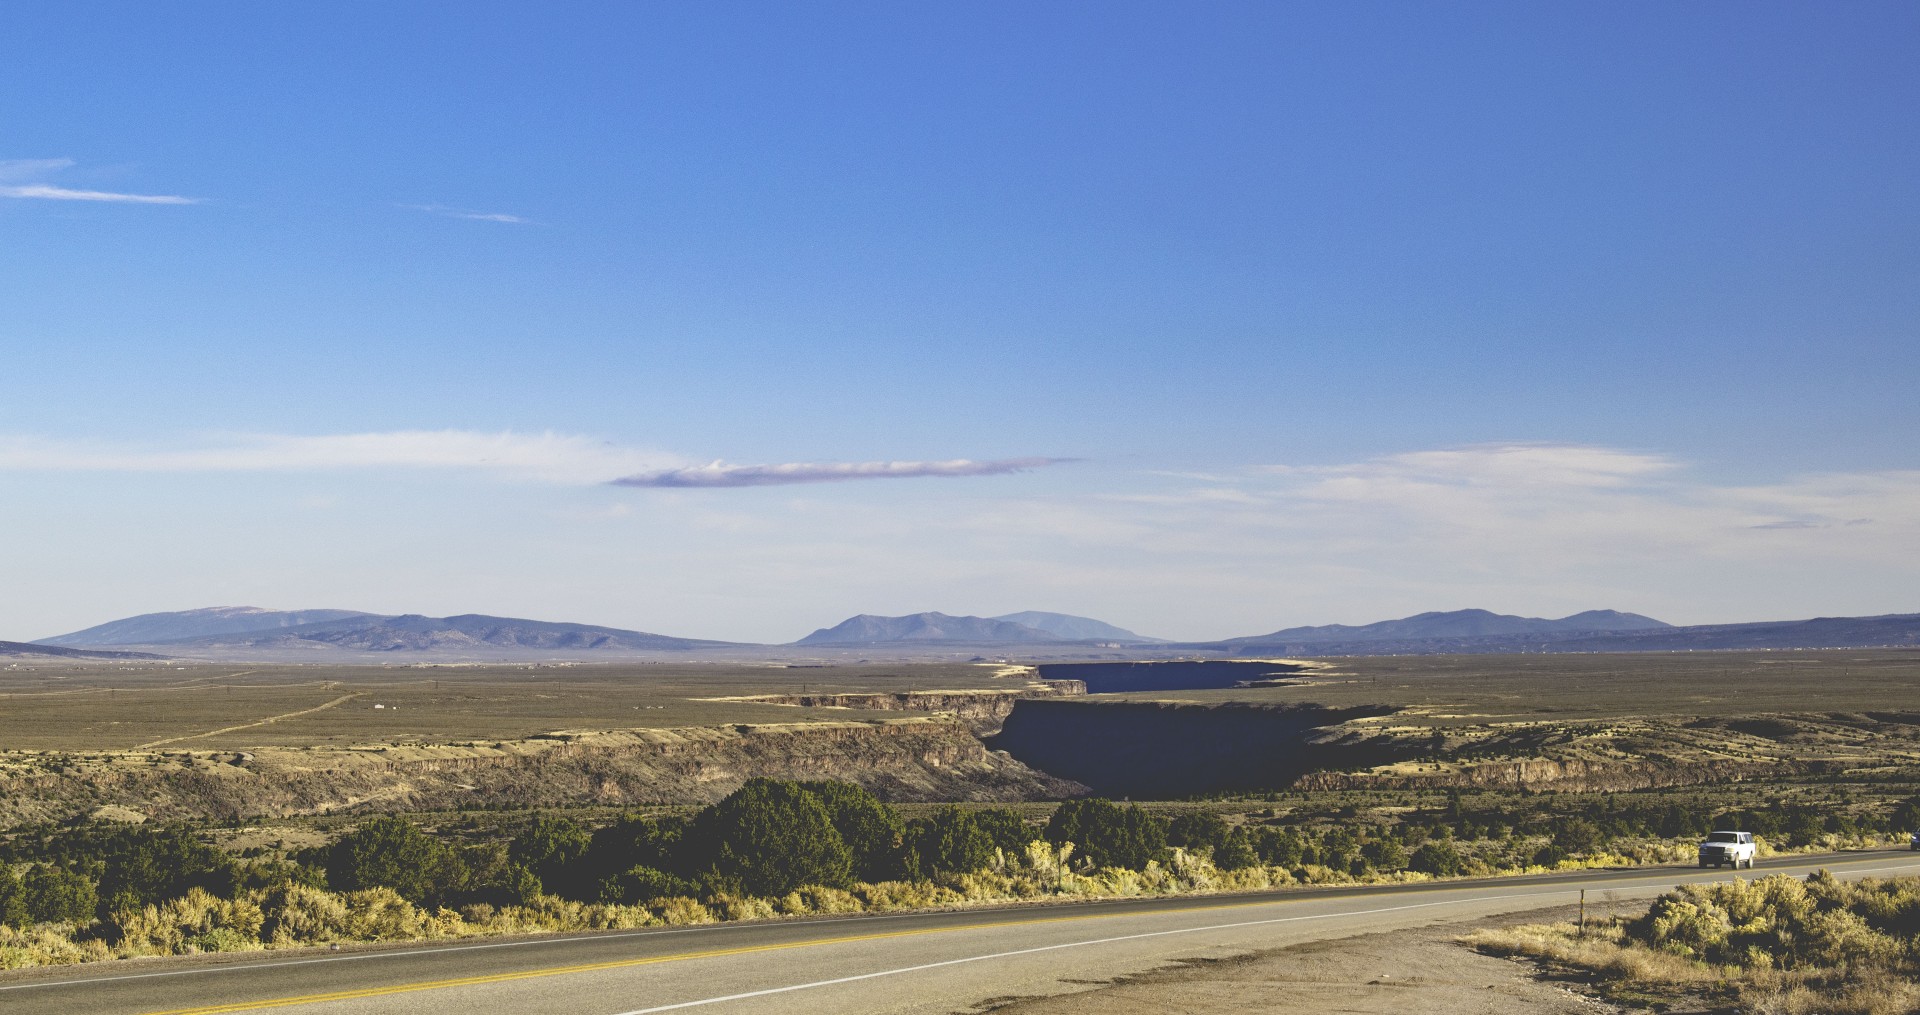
(1451,691)
(210,708)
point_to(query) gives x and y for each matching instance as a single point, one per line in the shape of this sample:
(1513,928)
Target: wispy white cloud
(13,170)
(1533,506)
(20,178)
(550,457)
(48,192)
(1613,500)
(472,216)
(720,474)
(546,457)
(1489,465)
(1520,528)
(1543,530)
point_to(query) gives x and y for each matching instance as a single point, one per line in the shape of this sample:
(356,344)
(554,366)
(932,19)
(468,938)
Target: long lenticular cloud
(20,178)
(547,456)
(473,216)
(719,474)
(48,192)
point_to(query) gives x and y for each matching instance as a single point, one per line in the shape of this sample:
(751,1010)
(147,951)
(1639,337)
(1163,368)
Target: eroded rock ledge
(905,759)
(983,710)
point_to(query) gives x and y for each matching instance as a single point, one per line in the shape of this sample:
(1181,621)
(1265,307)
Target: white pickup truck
(1720,848)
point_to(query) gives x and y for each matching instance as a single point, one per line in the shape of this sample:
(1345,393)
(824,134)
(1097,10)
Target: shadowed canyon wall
(1151,750)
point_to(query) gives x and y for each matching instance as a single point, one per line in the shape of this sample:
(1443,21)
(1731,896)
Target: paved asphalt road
(930,962)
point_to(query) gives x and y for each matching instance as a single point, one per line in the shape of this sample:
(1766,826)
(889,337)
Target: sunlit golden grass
(1776,945)
(292,915)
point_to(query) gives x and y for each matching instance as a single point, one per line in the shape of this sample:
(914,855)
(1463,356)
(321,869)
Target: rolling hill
(25,650)
(1461,624)
(1072,628)
(180,625)
(368,632)
(1474,634)
(922,628)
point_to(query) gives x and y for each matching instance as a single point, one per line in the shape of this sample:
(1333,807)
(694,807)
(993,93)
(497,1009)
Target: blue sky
(1328,312)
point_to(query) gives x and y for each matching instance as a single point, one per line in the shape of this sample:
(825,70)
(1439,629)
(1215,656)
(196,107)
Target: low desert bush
(198,921)
(609,879)
(681,911)
(1777,945)
(47,945)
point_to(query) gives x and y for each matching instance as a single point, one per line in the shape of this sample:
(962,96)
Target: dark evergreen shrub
(948,841)
(390,852)
(1108,835)
(872,830)
(769,838)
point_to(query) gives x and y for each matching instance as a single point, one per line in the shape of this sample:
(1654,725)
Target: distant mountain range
(1893,630)
(230,631)
(1026,628)
(21,649)
(922,628)
(1462,624)
(1470,631)
(229,628)
(1072,628)
(161,628)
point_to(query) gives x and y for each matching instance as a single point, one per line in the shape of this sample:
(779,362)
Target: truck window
(1724,837)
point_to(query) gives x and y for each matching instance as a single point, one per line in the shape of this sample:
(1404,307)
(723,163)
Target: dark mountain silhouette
(413,632)
(160,628)
(1461,624)
(368,632)
(20,649)
(1459,631)
(920,628)
(1072,628)
(1892,630)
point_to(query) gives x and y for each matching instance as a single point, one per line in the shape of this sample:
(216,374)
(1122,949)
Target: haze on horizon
(733,322)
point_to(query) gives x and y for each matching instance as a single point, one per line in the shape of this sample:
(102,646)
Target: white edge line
(1102,941)
(401,953)
(239,967)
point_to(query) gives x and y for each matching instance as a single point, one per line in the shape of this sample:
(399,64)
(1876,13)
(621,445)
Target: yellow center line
(469,981)
(591,967)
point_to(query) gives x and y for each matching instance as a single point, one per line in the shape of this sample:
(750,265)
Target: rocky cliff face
(1158,750)
(983,711)
(899,759)
(1168,749)
(1569,776)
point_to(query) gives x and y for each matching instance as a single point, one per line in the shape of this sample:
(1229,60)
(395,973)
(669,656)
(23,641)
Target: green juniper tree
(948,841)
(769,838)
(872,830)
(1108,835)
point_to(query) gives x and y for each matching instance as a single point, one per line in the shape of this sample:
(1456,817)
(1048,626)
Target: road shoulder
(1423,969)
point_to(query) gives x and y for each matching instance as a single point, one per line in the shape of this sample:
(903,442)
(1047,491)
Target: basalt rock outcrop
(982,710)
(1157,750)
(1160,749)
(908,759)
